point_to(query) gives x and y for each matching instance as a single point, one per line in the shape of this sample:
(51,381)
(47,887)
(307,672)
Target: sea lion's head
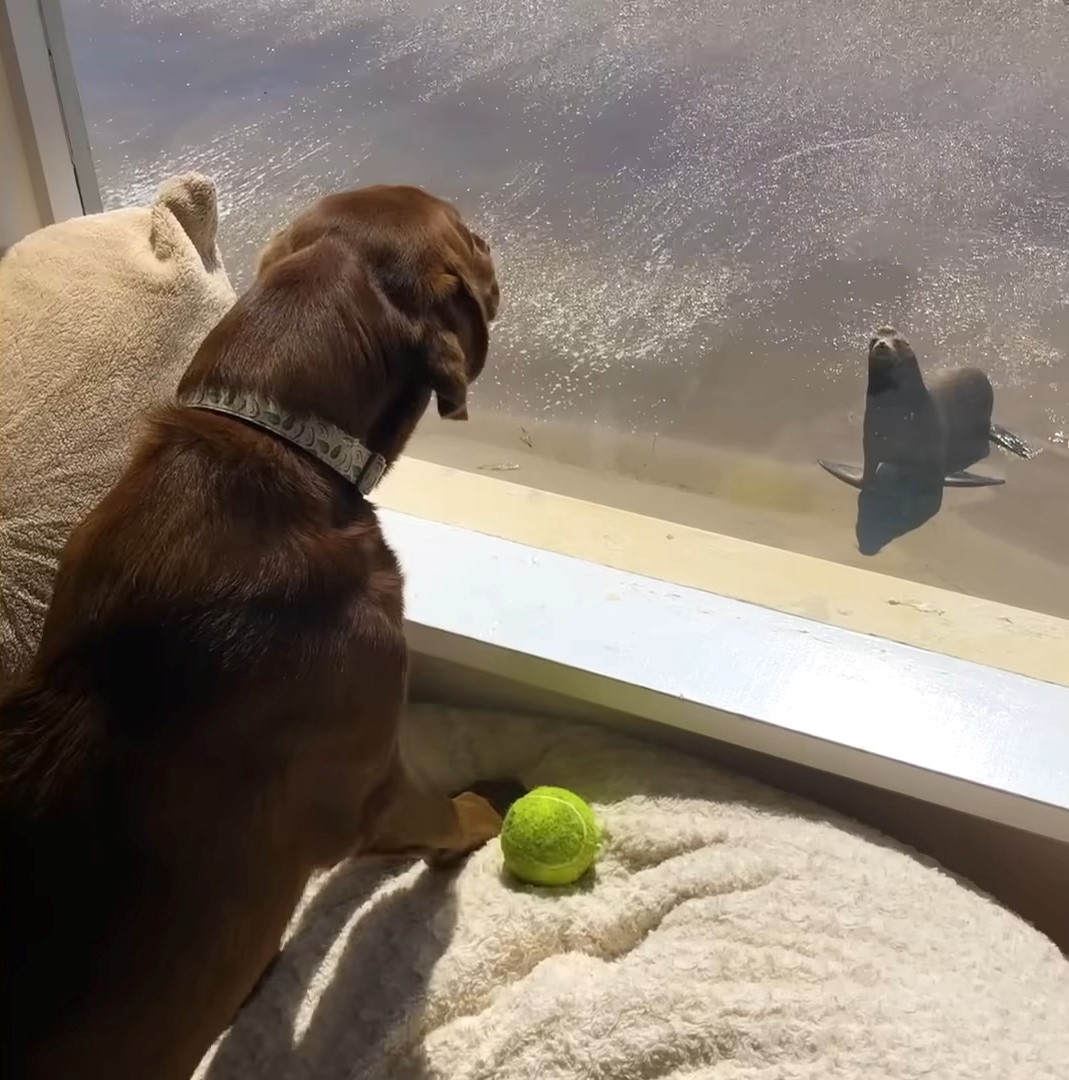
(892,360)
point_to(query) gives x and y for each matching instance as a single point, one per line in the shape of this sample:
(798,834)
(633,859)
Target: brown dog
(213,712)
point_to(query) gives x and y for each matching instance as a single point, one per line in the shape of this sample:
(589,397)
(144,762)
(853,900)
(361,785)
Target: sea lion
(927,435)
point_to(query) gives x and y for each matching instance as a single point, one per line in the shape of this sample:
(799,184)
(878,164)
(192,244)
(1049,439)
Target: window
(700,212)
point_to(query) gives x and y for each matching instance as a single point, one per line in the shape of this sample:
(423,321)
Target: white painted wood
(36,98)
(958,734)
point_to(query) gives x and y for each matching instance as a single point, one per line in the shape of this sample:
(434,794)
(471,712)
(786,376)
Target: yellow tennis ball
(549,837)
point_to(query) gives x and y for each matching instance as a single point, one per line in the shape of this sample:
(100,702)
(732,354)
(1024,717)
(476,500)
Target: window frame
(858,704)
(48,109)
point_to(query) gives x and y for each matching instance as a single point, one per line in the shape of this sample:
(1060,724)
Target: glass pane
(700,211)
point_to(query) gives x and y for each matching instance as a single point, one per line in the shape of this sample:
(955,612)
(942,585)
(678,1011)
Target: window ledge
(950,623)
(960,734)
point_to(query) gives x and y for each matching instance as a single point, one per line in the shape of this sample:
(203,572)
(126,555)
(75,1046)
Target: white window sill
(959,734)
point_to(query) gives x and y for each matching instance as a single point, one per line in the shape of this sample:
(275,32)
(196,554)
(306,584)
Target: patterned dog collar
(345,455)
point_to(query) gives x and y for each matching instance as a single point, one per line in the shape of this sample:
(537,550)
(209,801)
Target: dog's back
(54,869)
(188,632)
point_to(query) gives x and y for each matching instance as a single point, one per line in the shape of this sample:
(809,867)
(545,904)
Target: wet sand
(1004,543)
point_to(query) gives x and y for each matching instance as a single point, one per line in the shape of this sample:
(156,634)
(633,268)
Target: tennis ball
(549,837)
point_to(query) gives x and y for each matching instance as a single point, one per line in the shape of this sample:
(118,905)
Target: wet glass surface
(699,209)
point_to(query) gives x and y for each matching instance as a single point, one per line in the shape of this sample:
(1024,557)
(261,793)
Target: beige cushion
(731,932)
(98,318)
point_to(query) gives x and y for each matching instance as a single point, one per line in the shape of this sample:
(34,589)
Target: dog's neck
(327,442)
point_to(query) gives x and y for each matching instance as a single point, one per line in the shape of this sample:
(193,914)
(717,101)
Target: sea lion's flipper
(886,473)
(849,474)
(968,479)
(1008,441)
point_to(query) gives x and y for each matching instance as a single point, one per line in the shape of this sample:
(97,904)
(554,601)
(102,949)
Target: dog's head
(424,262)
(365,306)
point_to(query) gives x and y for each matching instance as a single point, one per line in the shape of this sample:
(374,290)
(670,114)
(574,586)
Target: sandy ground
(1006,543)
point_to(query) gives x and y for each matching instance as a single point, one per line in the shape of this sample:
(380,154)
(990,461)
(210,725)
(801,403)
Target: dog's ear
(278,247)
(458,345)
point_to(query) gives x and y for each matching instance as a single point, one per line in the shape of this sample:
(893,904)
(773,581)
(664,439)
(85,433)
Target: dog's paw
(479,816)
(500,794)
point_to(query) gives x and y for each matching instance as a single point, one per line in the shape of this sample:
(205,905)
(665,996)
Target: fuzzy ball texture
(549,837)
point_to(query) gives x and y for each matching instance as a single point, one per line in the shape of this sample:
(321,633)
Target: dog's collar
(345,455)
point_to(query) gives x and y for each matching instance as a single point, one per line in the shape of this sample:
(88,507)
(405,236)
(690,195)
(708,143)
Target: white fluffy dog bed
(731,931)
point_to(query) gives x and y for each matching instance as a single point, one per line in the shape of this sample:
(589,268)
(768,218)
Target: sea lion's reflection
(895,502)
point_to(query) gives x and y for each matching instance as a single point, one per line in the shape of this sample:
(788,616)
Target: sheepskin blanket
(99,316)
(730,931)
